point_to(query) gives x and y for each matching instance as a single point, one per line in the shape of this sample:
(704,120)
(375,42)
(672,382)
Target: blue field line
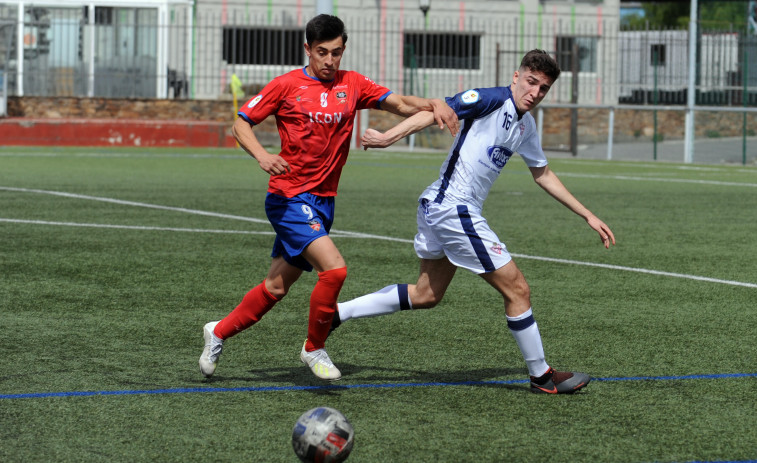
(332,386)
(724,461)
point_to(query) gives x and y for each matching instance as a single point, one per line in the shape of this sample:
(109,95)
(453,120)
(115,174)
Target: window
(103,15)
(266,46)
(657,54)
(586,47)
(442,50)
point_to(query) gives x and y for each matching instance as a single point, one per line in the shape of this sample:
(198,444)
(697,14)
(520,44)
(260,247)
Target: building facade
(451,46)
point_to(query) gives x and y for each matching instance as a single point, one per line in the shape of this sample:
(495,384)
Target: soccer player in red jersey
(315,109)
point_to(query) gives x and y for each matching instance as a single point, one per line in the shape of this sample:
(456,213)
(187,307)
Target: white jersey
(491,131)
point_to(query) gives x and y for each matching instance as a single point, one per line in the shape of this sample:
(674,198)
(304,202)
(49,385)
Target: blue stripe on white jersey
(491,132)
(455,155)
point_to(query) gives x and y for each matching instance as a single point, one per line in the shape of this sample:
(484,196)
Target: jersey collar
(509,94)
(304,71)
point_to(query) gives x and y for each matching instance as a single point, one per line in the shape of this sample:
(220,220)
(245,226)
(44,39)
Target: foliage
(713,15)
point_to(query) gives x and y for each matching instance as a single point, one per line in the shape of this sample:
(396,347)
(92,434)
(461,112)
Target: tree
(713,15)
(723,15)
(661,15)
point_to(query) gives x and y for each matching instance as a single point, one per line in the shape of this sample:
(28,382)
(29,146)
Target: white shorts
(463,236)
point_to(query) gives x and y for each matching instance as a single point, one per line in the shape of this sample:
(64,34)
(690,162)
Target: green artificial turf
(112,260)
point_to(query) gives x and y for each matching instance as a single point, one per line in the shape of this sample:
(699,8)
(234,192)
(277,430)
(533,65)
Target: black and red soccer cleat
(559,382)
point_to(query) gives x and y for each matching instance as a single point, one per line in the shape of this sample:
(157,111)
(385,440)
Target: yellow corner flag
(236,90)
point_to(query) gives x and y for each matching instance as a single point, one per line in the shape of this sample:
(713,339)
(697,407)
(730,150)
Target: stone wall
(630,125)
(104,108)
(592,123)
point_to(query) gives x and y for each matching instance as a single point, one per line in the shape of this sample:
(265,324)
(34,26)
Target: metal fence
(124,52)
(655,67)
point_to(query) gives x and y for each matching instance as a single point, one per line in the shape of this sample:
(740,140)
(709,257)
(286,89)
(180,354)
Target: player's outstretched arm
(408,105)
(375,139)
(271,163)
(548,180)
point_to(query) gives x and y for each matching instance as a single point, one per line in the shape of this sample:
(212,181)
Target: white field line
(136,204)
(639,270)
(657,179)
(335,233)
(133,227)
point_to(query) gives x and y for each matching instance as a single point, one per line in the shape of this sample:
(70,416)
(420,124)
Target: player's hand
(273,164)
(374,139)
(605,234)
(444,115)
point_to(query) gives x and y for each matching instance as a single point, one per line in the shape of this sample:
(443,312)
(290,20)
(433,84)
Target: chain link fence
(116,52)
(120,52)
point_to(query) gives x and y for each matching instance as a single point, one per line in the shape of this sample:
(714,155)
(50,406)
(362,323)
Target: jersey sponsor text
(326,118)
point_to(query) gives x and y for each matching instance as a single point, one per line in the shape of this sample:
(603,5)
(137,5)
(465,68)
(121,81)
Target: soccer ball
(323,435)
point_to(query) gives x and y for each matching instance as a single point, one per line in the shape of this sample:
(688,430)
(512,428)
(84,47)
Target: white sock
(526,334)
(383,302)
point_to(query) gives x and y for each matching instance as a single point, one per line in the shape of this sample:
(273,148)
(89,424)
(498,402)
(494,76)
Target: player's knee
(277,291)
(276,288)
(516,292)
(519,292)
(523,290)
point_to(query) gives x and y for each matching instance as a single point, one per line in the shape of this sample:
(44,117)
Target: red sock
(254,305)
(323,305)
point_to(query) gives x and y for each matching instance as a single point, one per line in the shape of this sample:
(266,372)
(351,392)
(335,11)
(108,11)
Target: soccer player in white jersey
(451,231)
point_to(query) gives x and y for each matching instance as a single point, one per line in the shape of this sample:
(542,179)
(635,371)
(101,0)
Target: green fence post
(655,57)
(745,78)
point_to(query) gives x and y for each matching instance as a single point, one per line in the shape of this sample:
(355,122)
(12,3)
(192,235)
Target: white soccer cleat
(320,364)
(212,350)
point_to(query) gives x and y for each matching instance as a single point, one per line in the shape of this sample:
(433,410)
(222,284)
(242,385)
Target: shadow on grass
(359,376)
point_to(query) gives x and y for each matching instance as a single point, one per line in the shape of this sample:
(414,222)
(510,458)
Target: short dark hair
(323,28)
(540,61)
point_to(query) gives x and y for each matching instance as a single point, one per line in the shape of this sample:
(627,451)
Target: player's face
(529,88)
(324,58)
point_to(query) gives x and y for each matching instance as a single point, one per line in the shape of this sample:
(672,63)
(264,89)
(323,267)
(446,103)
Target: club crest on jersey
(498,155)
(470,97)
(341,95)
(254,101)
(315,225)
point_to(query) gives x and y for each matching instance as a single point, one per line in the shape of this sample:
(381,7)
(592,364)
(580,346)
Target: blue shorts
(298,221)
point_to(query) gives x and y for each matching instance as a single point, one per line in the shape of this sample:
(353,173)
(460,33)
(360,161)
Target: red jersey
(315,120)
